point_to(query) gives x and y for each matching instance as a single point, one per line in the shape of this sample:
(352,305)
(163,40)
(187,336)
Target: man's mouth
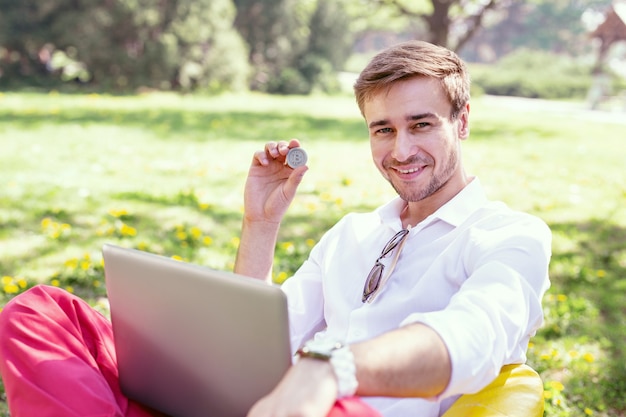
(408,170)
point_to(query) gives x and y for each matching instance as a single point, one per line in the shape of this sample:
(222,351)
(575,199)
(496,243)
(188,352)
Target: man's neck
(416,211)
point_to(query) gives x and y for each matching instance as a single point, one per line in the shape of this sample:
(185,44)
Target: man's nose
(404,146)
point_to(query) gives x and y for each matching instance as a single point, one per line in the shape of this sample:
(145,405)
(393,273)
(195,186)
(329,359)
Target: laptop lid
(192,341)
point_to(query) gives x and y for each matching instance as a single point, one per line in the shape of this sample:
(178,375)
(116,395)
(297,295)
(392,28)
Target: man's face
(414,143)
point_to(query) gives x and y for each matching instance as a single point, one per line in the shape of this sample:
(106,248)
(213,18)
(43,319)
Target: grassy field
(165,173)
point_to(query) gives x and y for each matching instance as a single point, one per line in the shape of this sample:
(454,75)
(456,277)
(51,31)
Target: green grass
(165,173)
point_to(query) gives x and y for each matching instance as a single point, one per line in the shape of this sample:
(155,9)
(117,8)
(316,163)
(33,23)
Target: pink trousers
(57,358)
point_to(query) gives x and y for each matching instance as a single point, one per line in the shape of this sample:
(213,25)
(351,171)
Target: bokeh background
(134,121)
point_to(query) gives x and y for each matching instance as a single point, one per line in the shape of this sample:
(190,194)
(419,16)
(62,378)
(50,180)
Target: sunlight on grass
(165,173)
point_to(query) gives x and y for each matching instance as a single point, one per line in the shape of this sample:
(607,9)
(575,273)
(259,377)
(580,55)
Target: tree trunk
(439,22)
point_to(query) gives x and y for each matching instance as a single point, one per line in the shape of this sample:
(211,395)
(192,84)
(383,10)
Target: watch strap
(341,360)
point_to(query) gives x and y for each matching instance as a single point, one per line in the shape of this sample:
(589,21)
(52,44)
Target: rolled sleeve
(489,321)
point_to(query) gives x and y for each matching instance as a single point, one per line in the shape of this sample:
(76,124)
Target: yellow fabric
(516,392)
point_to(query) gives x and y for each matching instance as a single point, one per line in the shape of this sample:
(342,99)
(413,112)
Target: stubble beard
(437,181)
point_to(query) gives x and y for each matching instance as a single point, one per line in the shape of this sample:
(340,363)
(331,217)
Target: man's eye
(421,125)
(384,130)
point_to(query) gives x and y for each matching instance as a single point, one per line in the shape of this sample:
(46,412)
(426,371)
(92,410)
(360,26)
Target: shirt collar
(454,212)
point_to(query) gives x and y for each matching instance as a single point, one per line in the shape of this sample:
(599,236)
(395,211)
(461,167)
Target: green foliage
(122,44)
(313,65)
(274,31)
(289,81)
(534,74)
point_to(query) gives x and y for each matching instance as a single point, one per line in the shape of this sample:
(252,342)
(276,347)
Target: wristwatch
(341,359)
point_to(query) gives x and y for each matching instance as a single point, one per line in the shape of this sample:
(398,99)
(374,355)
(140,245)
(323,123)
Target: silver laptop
(191,341)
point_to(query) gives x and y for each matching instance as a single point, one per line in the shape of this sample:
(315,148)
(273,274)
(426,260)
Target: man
(398,311)
(465,294)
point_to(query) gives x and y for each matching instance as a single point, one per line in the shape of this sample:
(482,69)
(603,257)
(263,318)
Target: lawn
(165,173)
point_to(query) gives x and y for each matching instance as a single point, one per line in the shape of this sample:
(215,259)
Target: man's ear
(463,120)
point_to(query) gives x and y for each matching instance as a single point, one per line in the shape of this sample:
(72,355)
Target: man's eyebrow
(421,116)
(378,123)
(411,117)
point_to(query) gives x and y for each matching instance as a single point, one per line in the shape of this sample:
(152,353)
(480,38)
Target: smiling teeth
(408,171)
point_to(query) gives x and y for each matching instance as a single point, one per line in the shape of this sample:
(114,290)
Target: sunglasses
(375,277)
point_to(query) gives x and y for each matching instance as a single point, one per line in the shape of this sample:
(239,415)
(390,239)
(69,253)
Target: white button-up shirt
(475,271)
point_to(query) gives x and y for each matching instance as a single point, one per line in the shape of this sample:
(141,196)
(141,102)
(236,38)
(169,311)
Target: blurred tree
(186,44)
(295,46)
(450,23)
(548,25)
(328,47)
(273,35)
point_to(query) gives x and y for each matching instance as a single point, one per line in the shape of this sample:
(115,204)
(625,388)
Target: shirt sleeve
(305,298)
(488,322)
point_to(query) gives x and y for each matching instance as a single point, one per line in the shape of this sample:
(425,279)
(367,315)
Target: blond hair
(415,59)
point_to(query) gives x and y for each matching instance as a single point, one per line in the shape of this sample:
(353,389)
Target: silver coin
(296,157)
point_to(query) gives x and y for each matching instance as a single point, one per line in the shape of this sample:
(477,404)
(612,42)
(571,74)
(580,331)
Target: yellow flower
(177,257)
(84,265)
(6,280)
(557,386)
(181,235)
(127,230)
(207,240)
(310,243)
(71,263)
(600,273)
(589,357)
(547,394)
(561,297)
(69,289)
(281,277)
(589,411)
(195,232)
(11,289)
(22,283)
(118,212)
(288,247)
(55,283)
